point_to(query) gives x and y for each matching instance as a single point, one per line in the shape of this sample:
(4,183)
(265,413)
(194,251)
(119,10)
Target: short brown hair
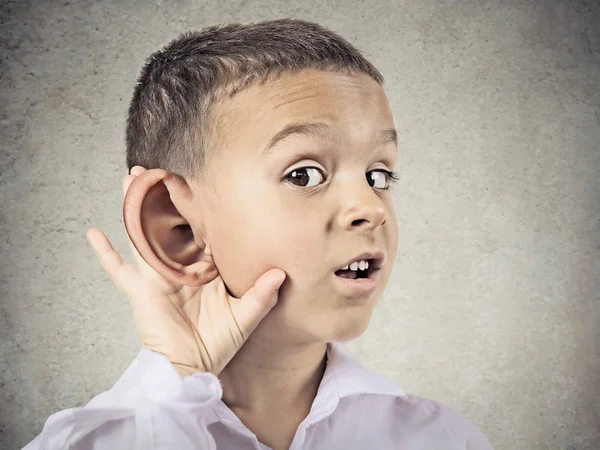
(168,125)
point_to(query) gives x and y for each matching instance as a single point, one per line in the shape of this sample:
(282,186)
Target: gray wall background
(494,305)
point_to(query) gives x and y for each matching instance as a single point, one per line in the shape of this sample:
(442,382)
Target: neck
(266,376)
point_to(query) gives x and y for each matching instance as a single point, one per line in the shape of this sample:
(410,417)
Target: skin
(247,215)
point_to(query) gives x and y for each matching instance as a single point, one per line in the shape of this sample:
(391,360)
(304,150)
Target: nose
(362,208)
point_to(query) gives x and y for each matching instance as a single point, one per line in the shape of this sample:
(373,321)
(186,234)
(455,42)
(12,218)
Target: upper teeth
(363,264)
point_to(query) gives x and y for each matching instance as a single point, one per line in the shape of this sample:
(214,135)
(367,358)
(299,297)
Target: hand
(199,328)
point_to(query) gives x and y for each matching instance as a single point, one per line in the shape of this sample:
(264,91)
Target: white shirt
(151,407)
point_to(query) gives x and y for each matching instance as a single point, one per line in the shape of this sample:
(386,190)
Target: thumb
(258,301)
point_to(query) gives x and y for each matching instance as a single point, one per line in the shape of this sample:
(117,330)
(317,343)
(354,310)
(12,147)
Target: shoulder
(437,417)
(409,421)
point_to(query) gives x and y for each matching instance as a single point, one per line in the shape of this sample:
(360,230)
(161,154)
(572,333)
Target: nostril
(358,222)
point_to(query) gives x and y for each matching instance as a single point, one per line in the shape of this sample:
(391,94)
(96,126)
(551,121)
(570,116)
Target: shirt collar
(344,376)
(352,378)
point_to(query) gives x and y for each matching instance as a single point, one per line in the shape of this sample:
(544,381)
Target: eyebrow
(324,130)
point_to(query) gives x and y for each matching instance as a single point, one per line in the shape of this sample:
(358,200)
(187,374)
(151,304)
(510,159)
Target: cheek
(243,254)
(248,241)
(254,227)
(393,232)
(394,239)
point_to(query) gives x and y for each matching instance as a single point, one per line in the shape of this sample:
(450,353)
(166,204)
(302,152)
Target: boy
(265,233)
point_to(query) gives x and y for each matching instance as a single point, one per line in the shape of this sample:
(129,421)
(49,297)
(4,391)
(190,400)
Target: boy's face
(304,206)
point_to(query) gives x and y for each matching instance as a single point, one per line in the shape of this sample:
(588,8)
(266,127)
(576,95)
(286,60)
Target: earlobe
(160,232)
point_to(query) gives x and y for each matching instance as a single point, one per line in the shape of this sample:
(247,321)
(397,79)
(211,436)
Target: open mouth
(359,272)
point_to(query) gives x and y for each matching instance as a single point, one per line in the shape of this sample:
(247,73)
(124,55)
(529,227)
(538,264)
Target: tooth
(366,264)
(345,267)
(362,264)
(354,266)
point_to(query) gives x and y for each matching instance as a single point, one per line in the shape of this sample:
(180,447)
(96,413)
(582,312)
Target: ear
(153,212)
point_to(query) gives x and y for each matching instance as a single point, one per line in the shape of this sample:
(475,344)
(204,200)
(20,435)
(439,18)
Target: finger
(137,170)
(122,274)
(258,301)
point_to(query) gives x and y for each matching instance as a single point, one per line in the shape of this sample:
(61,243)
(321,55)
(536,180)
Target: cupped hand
(198,328)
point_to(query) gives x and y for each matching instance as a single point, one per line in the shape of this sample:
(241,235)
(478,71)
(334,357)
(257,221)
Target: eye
(380,179)
(305,177)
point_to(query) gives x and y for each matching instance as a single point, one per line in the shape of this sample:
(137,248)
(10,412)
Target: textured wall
(494,305)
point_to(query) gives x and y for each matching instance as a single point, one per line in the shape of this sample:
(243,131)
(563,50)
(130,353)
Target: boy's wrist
(186,371)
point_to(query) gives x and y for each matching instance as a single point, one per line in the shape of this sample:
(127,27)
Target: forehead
(355,106)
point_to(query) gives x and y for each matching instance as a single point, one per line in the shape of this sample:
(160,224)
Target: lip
(358,287)
(376,255)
